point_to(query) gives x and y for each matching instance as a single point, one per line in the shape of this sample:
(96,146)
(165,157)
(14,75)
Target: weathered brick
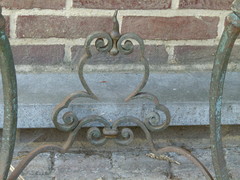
(38,54)
(29,4)
(154,54)
(201,54)
(60,26)
(122,4)
(7,25)
(207,4)
(194,54)
(172,28)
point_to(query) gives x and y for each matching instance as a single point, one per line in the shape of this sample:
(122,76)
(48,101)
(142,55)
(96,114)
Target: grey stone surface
(136,165)
(187,170)
(41,166)
(132,165)
(233,157)
(186,96)
(81,167)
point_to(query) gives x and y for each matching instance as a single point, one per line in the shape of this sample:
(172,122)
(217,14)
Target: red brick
(172,28)
(29,4)
(122,4)
(60,26)
(201,54)
(38,54)
(154,54)
(7,25)
(207,4)
(235,54)
(194,54)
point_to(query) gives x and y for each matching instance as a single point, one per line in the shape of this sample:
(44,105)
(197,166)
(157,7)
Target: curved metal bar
(101,46)
(23,164)
(152,119)
(189,156)
(54,148)
(69,118)
(231,32)
(128,133)
(127,48)
(10,101)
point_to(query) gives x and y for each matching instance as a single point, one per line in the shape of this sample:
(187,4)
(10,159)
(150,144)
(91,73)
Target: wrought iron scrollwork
(113,43)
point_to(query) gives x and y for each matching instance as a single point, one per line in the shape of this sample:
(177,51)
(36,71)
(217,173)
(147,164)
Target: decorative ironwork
(113,43)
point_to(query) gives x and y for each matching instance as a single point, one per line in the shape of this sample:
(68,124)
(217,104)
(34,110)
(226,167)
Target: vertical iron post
(230,34)
(10,101)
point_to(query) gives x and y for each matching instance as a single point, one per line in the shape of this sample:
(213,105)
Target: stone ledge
(186,96)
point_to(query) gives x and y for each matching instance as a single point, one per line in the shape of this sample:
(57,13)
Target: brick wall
(180,35)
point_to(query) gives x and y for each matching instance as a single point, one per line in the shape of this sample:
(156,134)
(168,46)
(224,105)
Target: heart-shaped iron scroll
(113,43)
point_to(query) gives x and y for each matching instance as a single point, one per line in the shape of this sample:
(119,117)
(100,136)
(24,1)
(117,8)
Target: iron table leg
(10,102)
(231,32)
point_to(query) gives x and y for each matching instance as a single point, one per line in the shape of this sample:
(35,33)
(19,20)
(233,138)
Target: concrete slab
(186,96)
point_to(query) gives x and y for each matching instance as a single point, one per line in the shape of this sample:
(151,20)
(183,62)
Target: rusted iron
(230,34)
(189,156)
(10,101)
(113,43)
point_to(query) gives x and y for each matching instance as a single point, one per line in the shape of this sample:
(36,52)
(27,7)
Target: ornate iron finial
(115,34)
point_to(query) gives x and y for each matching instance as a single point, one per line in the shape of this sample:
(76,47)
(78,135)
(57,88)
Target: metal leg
(231,32)
(10,102)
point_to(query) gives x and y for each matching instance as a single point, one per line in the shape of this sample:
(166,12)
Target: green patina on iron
(10,102)
(230,34)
